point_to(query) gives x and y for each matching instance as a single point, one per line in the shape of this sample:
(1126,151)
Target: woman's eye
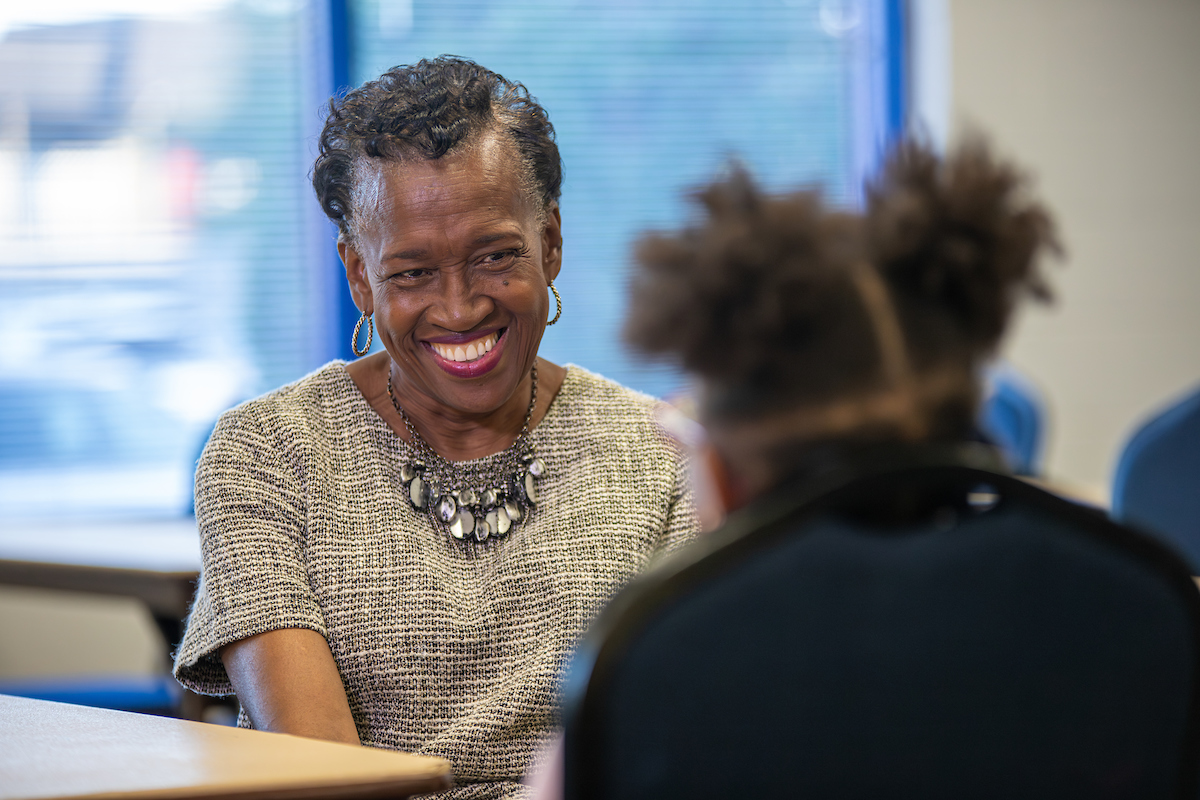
(500,258)
(411,274)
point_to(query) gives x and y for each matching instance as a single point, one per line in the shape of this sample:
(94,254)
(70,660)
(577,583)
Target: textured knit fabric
(445,647)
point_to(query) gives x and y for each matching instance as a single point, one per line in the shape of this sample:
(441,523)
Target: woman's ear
(356,276)
(552,243)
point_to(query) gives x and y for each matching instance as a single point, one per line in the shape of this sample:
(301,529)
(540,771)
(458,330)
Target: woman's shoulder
(326,395)
(600,414)
(598,424)
(589,393)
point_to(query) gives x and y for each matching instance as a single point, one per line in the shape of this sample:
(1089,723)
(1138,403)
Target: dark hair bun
(958,241)
(776,301)
(755,296)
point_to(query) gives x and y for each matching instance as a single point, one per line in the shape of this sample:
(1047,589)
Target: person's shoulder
(595,393)
(601,410)
(607,423)
(325,392)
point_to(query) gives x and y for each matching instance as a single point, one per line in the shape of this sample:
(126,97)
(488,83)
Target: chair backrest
(145,694)
(1012,415)
(933,631)
(1157,483)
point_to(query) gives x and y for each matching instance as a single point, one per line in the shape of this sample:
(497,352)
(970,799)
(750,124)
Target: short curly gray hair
(427,110)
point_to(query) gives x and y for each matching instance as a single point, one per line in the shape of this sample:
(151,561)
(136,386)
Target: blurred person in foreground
(817,337)
(400,551)
(812,333)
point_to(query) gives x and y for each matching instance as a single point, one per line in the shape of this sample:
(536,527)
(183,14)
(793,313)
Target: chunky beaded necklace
(473,500)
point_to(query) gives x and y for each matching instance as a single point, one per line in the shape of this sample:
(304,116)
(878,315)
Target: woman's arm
(288,682)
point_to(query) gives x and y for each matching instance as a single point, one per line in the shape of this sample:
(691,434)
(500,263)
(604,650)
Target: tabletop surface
(55,750)
(156,562)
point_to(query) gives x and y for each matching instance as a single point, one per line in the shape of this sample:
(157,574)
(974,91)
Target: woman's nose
(460,305)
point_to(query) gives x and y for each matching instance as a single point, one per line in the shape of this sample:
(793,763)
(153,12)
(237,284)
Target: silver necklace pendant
(464,502)
(474,512)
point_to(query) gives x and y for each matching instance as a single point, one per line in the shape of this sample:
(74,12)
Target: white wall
(1101,100)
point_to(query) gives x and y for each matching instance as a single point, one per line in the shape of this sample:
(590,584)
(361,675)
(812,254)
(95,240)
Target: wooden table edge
(436,781)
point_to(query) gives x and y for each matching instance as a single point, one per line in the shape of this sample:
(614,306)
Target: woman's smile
(468,357)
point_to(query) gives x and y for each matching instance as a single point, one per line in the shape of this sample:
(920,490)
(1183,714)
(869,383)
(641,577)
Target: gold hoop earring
(558,302)
(370,335)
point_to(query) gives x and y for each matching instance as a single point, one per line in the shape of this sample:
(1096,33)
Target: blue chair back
(1157,483)
(148,694)
(1012,416)
(933,631)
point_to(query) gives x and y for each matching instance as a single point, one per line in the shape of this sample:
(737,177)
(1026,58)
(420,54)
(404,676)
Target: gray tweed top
(445,647)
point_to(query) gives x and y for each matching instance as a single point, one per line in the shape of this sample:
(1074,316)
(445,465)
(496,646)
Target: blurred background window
(649,99)
(152,249)
(162,257)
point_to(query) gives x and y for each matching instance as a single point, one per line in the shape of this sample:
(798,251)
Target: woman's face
(452,261)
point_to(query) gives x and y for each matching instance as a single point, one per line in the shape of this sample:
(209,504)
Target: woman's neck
(453,435)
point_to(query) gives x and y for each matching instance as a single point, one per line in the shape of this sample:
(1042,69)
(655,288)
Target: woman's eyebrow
(489,238)
(418,253)
(412,254)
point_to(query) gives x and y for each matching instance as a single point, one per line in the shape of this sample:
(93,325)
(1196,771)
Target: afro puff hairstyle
(761,297)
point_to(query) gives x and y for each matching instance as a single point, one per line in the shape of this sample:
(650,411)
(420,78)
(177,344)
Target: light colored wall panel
(1101,100)
(45,633)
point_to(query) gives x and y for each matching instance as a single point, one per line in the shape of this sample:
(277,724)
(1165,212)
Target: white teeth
(472,351)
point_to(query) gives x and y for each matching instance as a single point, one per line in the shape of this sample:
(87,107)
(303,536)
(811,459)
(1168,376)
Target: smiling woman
(401,551)
(453,260)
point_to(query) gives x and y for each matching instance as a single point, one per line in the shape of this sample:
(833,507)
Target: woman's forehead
(473,188)
(488,162)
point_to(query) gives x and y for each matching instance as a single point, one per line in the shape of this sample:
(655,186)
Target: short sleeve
(683,522)
(251,512)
